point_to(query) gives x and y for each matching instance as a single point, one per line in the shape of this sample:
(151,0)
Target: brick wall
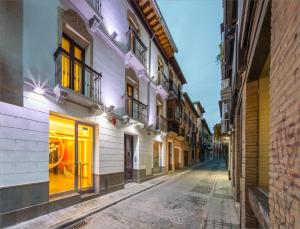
(284,199)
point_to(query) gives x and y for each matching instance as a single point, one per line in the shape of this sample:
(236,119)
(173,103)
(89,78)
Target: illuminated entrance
(70,155)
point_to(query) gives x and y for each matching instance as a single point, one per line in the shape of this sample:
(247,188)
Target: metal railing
(74,74)
(137,46)
(225,83)
(174,114)
(136,109)
(161,123)
(96,5)
(173,88)
(163,80)
(181,132)
(173,127)
(225,126)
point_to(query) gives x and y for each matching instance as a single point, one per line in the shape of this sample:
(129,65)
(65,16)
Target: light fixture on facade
(95,22)
(39,90)
(114,35)
(109,109)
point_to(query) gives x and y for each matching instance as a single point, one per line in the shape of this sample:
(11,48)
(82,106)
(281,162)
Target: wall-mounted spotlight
(114,35)
(39,90)
(109,109)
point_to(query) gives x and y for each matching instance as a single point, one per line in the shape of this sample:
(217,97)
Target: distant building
(206,146)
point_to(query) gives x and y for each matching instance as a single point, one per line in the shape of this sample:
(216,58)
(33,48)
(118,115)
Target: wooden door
(128,160)
(170,156)
(186,158)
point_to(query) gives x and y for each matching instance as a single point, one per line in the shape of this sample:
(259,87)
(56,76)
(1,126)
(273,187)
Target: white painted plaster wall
(24,131)
(23,145)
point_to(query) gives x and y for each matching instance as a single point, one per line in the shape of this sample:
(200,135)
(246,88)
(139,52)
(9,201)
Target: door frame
(77,189)
(170,152)
(132,152)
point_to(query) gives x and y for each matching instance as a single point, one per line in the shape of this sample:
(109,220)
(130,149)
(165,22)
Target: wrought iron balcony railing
(181,132)
(136,109)
(174,114)
(161,123)
(175,90)
(163,80)
(74,74)
(95,4)
(137,46)
(173,87)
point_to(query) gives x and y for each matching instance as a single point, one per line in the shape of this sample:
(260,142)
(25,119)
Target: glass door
(61,155)
(71,147)
(85,149)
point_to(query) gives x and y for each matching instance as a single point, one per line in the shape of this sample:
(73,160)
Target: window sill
(259,202)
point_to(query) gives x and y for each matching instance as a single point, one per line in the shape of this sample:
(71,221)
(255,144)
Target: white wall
(23,145)
(24,132)
(40,31)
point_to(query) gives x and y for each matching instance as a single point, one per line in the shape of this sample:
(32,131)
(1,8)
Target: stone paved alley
(201,198)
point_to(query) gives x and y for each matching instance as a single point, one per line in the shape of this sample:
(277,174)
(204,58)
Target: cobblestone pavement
(201,198)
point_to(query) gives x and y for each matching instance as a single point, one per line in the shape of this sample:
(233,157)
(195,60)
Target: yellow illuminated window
(77,70)
(72,79)
(65,62)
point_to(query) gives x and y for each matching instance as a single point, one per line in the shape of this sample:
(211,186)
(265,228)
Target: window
(130,95)
(72,71)
(160,65)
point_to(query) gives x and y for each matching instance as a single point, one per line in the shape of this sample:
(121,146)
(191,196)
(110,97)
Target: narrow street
(199,199)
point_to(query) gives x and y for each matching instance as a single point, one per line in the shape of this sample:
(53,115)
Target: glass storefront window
(63,156)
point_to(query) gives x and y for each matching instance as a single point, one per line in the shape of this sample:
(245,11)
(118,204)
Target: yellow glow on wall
(264,126)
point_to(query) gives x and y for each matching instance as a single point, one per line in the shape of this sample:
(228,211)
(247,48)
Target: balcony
(174,91)
(136,110)
(225,126)
(174,115)
(181,134)
(225,83)
(76,81)
(225,89)
(162,84)
(161,123)
(173,127)
(137,52)
(95,4)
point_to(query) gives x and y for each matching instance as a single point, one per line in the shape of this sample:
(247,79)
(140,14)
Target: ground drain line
(77,224)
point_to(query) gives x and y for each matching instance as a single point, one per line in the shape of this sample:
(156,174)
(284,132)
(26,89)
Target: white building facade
(87,106)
